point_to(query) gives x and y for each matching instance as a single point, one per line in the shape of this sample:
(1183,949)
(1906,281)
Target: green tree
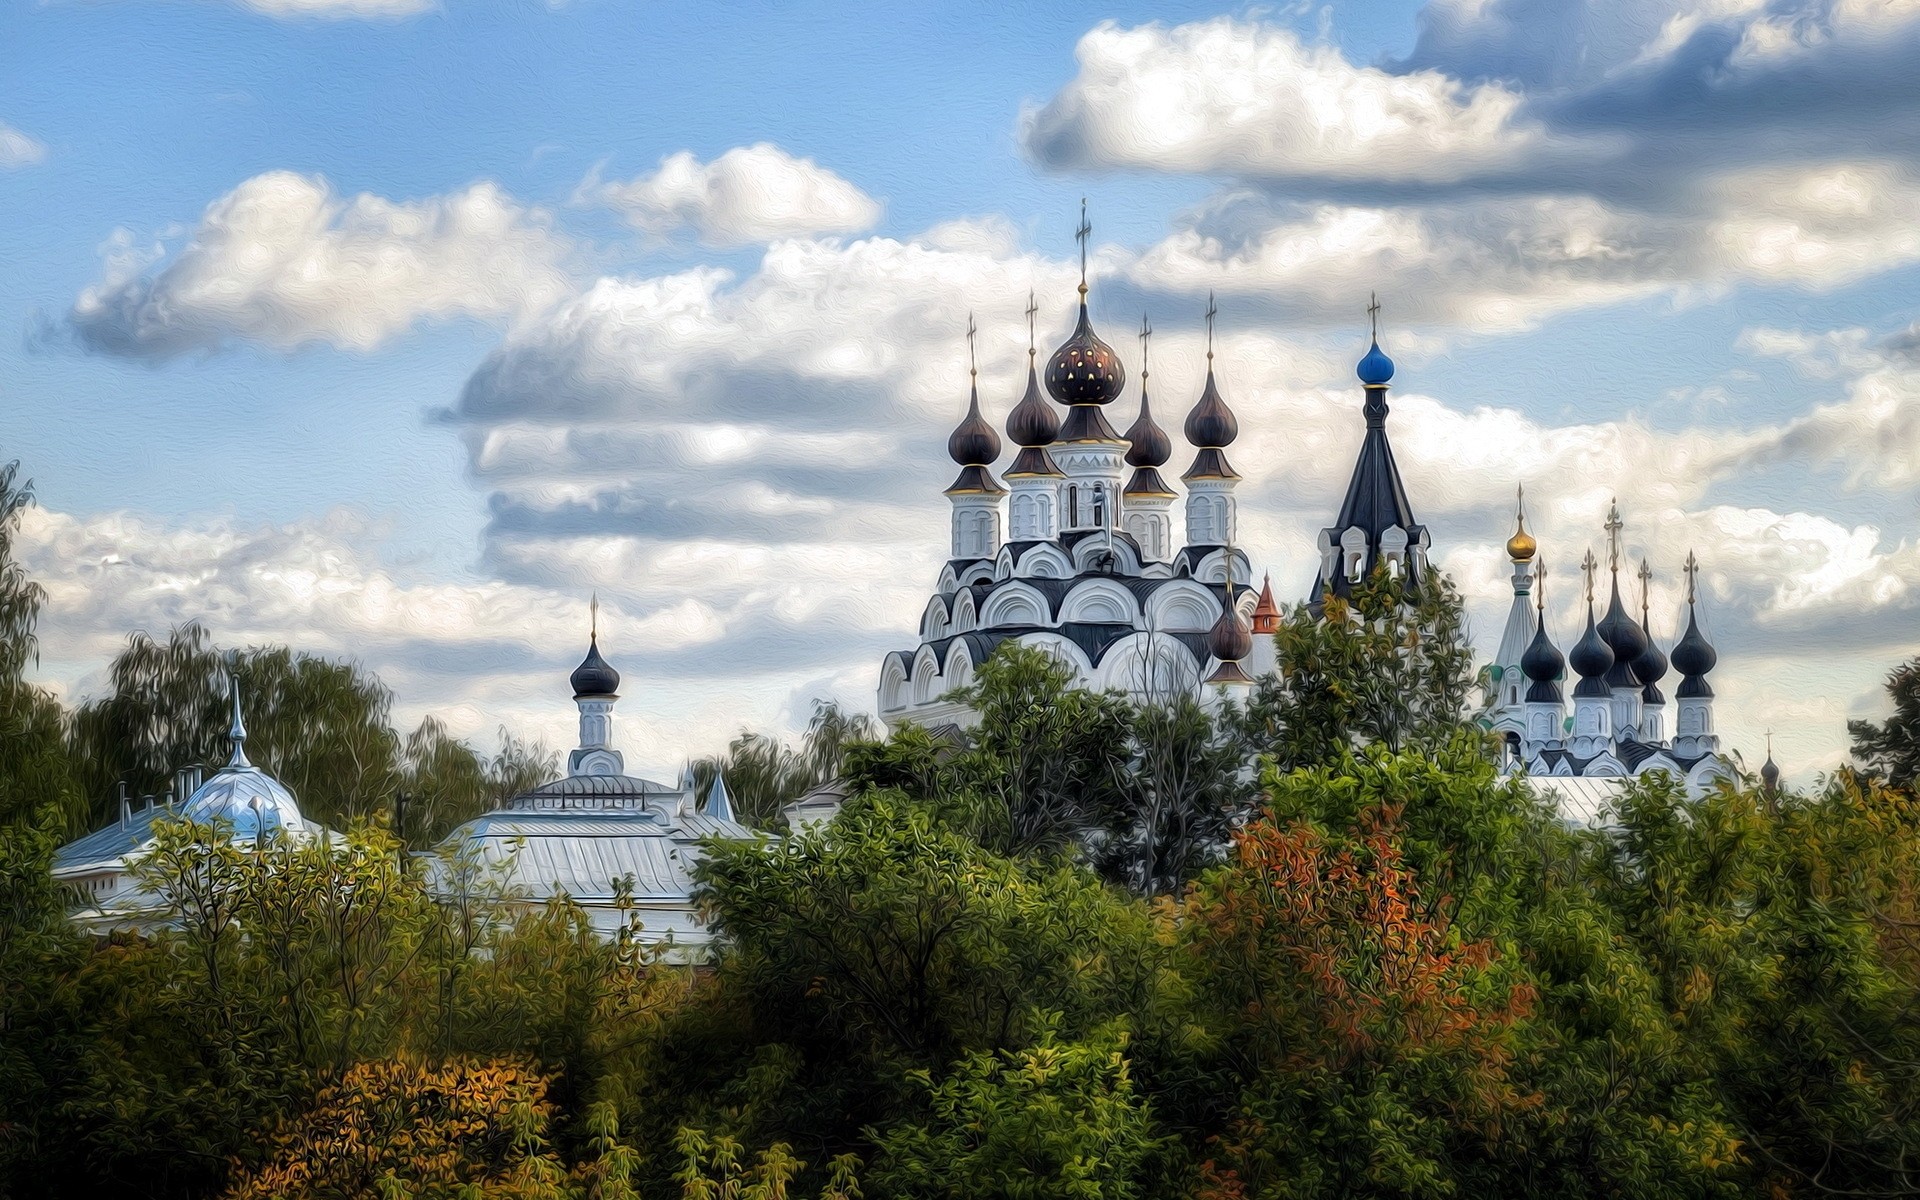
(764,775)
(1056,1119)
(37,783)
(1891,748)
(1374,667)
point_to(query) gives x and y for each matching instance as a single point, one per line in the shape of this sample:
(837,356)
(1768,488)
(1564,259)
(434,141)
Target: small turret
(596,688)
(975,494)
(1147,496)
(1212,511)
(1694,657)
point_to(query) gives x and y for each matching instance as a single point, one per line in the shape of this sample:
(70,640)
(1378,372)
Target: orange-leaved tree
(1370,1043)
(399,1127)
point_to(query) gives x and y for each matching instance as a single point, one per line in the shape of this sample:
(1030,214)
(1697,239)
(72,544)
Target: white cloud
(1246,99)
(283,260)
(17,149)
(750,194)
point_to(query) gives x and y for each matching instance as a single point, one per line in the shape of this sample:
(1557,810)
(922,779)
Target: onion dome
(1085,370)
(1592,658)
(594,677)
(1229,641)
(1376,369)
(974,445)
(1148,446)
(1211,426)
(1033,425)
(1625,639)
(1769,773)
(1543,665)
(1521,546)
(1693,657)
(1650,668)
(240,795)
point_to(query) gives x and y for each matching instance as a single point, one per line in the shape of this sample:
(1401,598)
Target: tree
(401,1127)
(764,775)
(1891,749)
(1057,1119)
(36,773)
(1378,666)
(1184,789)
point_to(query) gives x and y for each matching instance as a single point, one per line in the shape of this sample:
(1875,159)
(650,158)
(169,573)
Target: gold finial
(1521,546)
(1540,587)
(1692,569)
(973,363)
(1614,526)
(1373,314)
(1032,308)
(1646,587)
(593,618)
(1589,565)
(1082,234)
(1213,311)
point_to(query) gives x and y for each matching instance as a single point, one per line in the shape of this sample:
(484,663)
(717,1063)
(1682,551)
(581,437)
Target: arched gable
(1213,569)
(1660,762)
(1149,665)
(933,622)
(983,571)
(926,675)
(965,619)
(1604,766)
(1091,551)
(1045,560)
(1014,603)
(893,683)
(1065,650)
(959,666)
(1183,605)
(1099,601)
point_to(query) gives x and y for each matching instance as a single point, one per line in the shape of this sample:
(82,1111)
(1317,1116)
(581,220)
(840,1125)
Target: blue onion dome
(1591,660)
(241,796)
(1376,369)
(1148,444)
(1085,370)
(1650,668)
(1693,657)
(973,442)
(1230,639)
(594,677)
(1543,664)
(1625,638)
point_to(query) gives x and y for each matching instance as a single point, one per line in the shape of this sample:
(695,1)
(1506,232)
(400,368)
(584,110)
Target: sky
(394,330)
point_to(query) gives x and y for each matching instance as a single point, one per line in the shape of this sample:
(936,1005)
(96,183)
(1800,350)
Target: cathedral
(1068,552)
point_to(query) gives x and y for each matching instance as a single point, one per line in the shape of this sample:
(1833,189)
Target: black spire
(1542,661)
(1592,658)
(1148,445)
(594,676)
(1033,425)
(1376,500)
(1651,667)
(1693,654)
(1084,372)
(973,443)
(1623,637)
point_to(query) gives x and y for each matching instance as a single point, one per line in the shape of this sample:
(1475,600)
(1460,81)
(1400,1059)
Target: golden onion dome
(1521,546)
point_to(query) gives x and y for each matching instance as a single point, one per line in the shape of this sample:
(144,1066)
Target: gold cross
(1589,566)
(1646,582)
(1212,312)
(1146,335)
(973,364)
(1032,308)
(1692,569)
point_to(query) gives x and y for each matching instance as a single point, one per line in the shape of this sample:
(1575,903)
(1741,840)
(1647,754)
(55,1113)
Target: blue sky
(1647,248)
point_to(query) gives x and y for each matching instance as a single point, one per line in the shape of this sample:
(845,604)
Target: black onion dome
(594,676)
(1650,668)
(1150,446)
(1230,639)
(1211,424)
(1693,657)
(1591,659)
(1033,421)
(1543,664)
(974,443)
(1085,370)
(1624,638)
(1770,774)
